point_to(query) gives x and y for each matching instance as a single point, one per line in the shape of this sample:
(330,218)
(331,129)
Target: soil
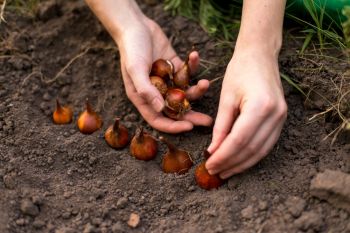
(55,179)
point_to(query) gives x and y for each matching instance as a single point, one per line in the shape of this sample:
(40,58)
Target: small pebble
(122,202)
(295,205)
(262,205)
(47,97)
(88,228)
(248,212)
(20,222)
(134,220)
(38,224)
(66,215)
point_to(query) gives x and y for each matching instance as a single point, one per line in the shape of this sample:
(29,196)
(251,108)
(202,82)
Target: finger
(193,62)
(258,140)
(254,159)
(246,125)
(167,125)
(158,120)
(197,91)
(227,112)
(145,89)
(198,119)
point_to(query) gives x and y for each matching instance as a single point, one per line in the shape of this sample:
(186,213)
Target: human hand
(141,44)
(251,113)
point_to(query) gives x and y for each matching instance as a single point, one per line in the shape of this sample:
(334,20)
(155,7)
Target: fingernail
(212,172)
(210,147)
(209,168)
(157,104)
(223,176)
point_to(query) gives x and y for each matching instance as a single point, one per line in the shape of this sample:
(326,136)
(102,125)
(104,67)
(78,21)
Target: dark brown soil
(55,179)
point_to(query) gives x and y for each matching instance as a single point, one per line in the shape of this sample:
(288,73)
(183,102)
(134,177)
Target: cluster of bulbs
(144,146)
(172,86)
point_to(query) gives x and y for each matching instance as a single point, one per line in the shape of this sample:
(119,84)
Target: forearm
(116,15)
(261,26)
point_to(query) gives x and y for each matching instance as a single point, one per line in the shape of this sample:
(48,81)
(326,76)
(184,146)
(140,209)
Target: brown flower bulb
(89,121)
(117,135)
(62,114)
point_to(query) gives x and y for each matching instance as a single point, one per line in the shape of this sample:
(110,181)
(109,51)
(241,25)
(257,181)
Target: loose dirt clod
(28,208)
(309,220)
(332,186)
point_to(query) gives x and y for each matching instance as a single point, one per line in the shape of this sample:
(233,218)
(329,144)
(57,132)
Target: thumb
(145,88)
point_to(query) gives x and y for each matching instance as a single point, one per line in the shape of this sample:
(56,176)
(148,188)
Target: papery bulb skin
(143,146)
(172,114)
(175,160)
(160,84)
(182,76)
(175,99)
(117,135)
(89,121)
(163,69)
(62,114)
(204,179)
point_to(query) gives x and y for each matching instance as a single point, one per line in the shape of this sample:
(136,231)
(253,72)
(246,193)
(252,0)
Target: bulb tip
(206,154)
(57,103)
(116,124)
(88,106)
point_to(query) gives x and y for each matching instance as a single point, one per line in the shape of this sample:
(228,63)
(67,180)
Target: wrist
(116,15)
(259,45)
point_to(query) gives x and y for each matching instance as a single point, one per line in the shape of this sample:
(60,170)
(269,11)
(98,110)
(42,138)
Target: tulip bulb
(175,160)
(117,135)
(203,178)
(62,114)
(160,84)
(176,103)
(143,146)
(89,121)
(182,76)
(163,69)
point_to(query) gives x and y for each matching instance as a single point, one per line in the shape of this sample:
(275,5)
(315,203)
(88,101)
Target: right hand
(140,44)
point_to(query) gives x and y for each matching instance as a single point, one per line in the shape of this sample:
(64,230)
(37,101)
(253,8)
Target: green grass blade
(307,41)
(292,83)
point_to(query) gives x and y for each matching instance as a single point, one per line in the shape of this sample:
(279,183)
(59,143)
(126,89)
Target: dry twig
(216,79)
(70,62)
(2,12)
(58,74)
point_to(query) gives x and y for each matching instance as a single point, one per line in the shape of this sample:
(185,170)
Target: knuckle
(239,141)
(251,148)
(143,92)
(219,132)
(282,111)
(268,104)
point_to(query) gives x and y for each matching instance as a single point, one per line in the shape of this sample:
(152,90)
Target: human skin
(252,108)
(141,41)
